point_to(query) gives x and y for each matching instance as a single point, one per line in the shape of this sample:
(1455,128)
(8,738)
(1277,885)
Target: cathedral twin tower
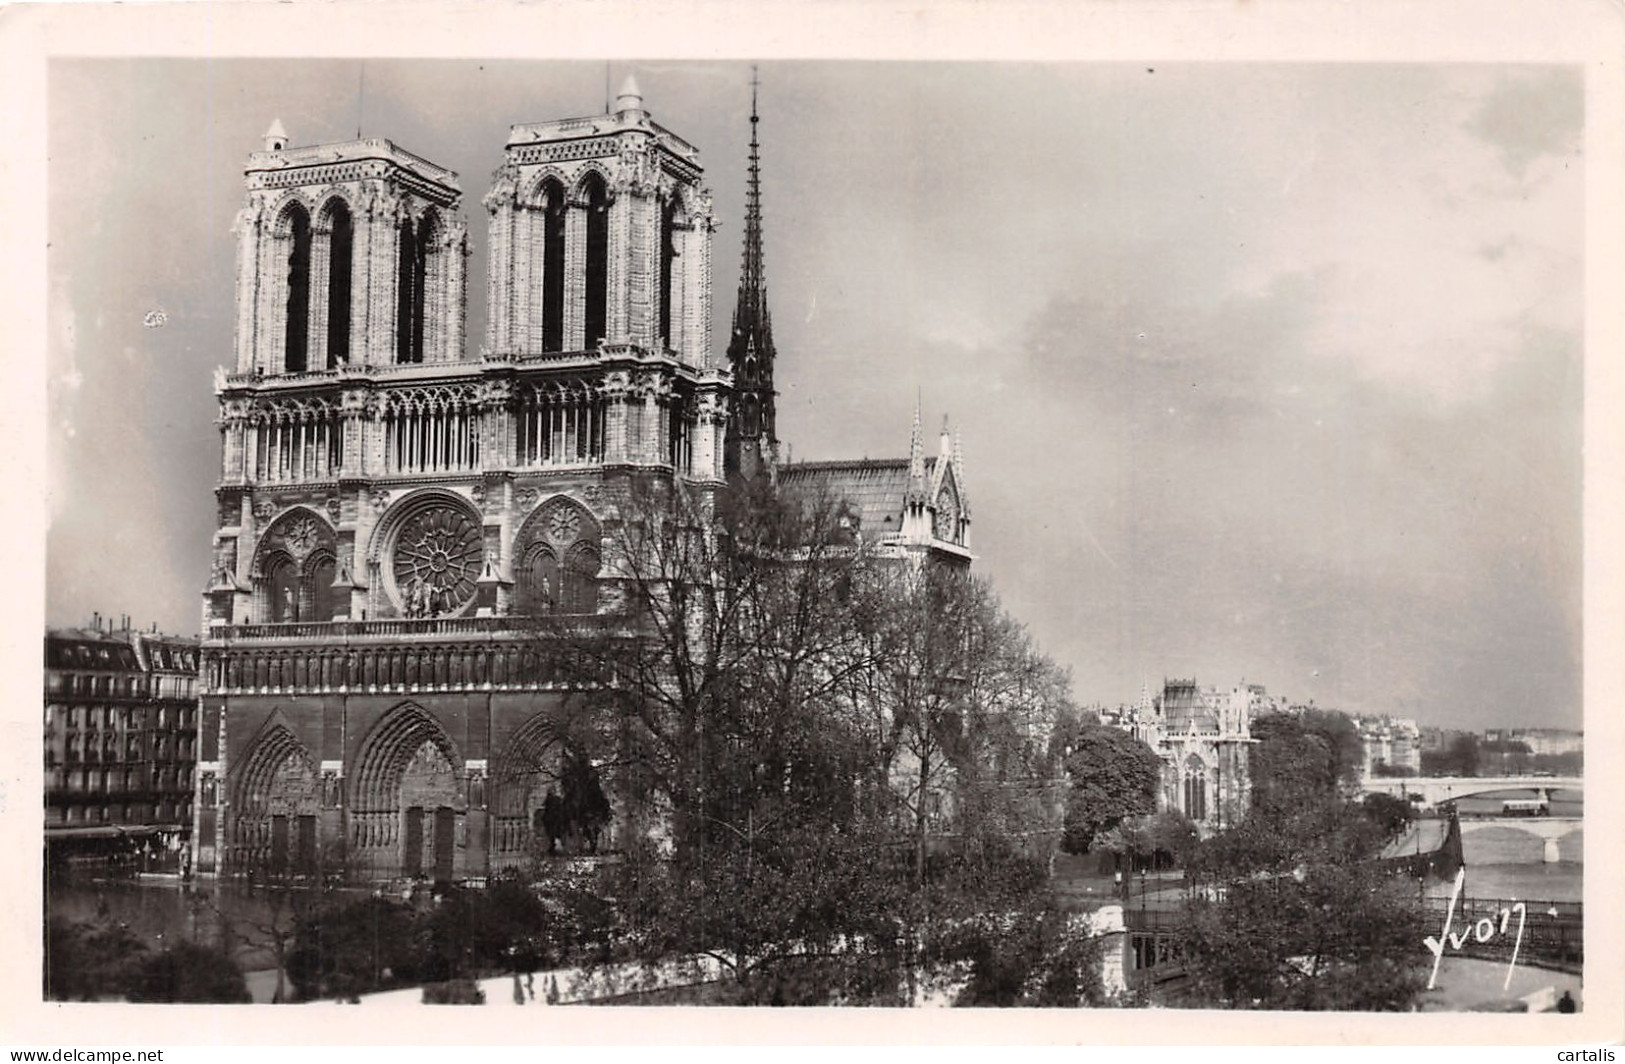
(390,507)
(392,513)
(352,388)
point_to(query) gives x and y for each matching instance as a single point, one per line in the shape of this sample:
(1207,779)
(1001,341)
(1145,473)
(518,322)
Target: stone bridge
(1560,837)
(1436,789)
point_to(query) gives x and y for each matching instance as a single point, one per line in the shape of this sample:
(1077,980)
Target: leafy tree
(189,973)
(832,754)
(1385,770)
(1294,912)
(1039,957)
(1460,758)
(1114,776)
(1342,738)
(90,960)
(1305,923)
(1163,840)
(345,950)
(583,810)
(104,960)
(1392,815)
(1294,766)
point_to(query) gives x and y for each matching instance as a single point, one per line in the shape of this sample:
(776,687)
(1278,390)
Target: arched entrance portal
(408,803)
(548,798)
(525,797)
(275,808)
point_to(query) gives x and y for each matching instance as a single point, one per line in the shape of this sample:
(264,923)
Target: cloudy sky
(1264,372)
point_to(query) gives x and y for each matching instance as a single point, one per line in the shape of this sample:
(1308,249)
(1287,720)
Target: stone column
(695,265)
(616,390)
(495,406)
(710,415)
(575,275)
(270,309)
(352,426)
(233,449)
(321,268)
(383,245)
(247,229)
(677,330)
(522,279)
(626,275)
(499,274)
(456,291)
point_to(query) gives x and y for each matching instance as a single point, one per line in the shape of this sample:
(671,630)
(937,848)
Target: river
(1504,864)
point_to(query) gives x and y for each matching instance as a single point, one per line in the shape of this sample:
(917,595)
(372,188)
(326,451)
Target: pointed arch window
(318,591)
(1195,788)
(341,243)
(580,590)
(539,589)
(553,207)
(297,343)
(597,276)
(679,443)
(411,285)
(668,253)
(282,585)
(559,561)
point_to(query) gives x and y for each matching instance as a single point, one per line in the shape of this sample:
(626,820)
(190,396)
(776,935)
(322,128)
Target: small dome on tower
(276,138)
(629,98)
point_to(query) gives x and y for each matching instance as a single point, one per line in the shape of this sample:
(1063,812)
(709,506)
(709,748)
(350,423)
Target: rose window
(563,525)
(302,536)
(437,560)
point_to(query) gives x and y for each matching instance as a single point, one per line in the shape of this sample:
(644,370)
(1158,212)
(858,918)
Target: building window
(298,309)
(1195,789)
(340,241)
(411,278)
(552,266)
(668,252)
(597,286)
(319,590)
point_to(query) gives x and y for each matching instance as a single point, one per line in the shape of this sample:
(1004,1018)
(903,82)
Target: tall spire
(752,278)
(752,436)
(916,459)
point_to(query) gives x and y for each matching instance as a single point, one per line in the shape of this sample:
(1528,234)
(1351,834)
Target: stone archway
(275,808)
(523,779)
(557,558)
(295,563)
(547,797)
(407,803)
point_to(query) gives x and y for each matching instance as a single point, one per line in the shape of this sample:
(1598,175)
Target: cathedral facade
(395,513)
(1202,735)
(391,509)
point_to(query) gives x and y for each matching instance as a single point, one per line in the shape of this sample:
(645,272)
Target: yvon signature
(1481,931)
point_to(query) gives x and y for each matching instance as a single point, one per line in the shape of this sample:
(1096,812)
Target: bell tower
(394,513)
(753,443)
(350,266)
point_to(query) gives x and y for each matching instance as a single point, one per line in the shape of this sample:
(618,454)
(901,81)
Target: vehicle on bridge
(1525,807)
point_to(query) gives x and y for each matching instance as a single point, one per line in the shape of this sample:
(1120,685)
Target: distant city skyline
(1264,372)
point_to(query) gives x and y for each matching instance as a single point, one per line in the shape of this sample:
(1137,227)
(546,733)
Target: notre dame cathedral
(392,509)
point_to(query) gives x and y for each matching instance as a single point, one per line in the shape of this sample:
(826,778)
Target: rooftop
(875,488)
(367,148)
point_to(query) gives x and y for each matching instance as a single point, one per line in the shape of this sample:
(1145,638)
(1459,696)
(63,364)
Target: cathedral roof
(875,488)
